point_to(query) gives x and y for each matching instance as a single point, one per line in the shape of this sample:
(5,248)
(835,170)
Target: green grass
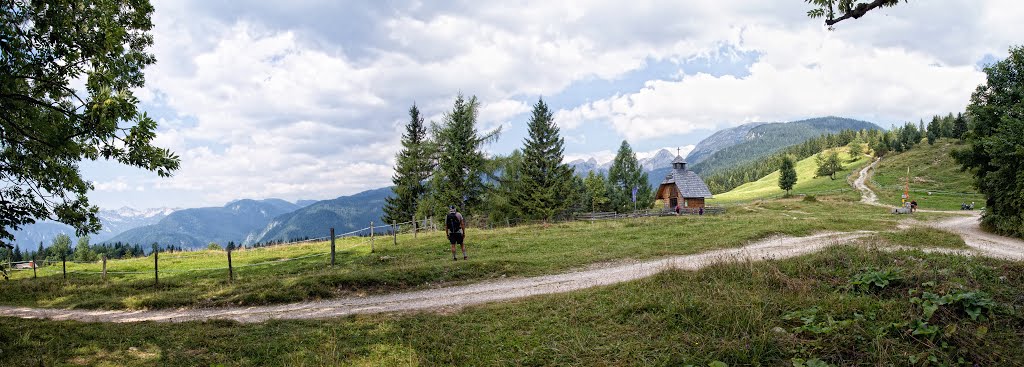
(762,313)
(768,186)
(933,170)
(425,261)
(924,238)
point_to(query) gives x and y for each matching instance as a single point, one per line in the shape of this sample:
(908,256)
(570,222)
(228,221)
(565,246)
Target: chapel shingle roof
(687,182)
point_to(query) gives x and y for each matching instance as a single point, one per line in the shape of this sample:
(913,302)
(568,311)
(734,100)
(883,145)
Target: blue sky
(307,99)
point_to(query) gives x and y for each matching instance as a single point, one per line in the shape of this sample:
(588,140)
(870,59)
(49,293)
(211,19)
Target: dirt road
(460,296)
(451,298)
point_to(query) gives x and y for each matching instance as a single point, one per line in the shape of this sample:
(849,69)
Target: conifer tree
(959,127)
(934,129)
(412,168)
(787,174)
(458,179)
(624,176)
(545,182)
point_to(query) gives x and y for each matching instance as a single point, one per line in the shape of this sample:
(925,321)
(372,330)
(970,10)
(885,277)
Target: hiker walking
(455,228)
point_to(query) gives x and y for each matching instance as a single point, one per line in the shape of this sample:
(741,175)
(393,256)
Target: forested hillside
(766,139)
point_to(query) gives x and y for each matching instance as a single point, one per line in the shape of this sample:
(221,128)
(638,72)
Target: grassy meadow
(843,306)
(933,170)
(424,261)
(768,186)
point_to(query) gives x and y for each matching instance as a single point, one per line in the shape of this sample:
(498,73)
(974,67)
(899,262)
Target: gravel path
(453,298)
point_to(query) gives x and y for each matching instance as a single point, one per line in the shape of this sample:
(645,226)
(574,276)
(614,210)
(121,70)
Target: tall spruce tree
(545,182)
(787,174)
(625,175)
(461,164)
(934,130)
(412,169)
(960,127)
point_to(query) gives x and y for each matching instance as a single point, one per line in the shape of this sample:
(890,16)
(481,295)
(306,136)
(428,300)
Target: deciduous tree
(49,124)
(995,143)
(835,11)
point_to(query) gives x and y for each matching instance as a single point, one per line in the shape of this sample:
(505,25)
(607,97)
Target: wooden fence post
(371,237)
(394,231)
(156,264)
(231,270)
(64,265)
(332,246)
(33,268)
(104,267)
(414,226)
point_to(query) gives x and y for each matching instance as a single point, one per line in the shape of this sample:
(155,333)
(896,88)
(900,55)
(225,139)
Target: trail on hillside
(867,195)
(453,298)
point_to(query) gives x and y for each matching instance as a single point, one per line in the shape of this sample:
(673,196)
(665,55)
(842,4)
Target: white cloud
(262,107)
(117,185)
(805,73)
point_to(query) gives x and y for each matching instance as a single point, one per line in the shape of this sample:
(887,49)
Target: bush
(811,198)
(214,246)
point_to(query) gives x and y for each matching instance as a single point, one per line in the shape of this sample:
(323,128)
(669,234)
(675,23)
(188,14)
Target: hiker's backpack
(453,223)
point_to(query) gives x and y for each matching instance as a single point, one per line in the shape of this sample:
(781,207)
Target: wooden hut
(683,188)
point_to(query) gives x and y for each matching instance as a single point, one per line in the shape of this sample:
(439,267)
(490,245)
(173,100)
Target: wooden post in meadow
(231,270)
(104,267)
(371,237)
(64,265)
(156,264)
(332,246)
(414,226)
(33,268)
(394,231)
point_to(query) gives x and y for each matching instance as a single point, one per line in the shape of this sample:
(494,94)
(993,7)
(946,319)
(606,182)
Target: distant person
(913,206)
(455,228)
(700,211)
(679,209)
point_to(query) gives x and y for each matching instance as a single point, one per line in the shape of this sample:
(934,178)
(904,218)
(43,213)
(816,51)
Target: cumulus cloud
(270,100)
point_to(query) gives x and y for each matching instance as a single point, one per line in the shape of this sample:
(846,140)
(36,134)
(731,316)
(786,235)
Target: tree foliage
(787,174)
(856,149)
(995,143)
(48,125)
(461,163)
(828,164)
(544,182)
(82,250)
(624,175)
(412,169)
(835,11)
(597,191)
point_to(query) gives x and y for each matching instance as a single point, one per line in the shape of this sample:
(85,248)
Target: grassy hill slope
(200,279)
(768,186)
(766,139)
(931,170)
(772,313)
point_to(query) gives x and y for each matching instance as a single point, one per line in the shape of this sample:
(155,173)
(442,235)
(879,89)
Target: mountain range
(659,159)
(113,221)
(734,146)
(197,227)
(261,221)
